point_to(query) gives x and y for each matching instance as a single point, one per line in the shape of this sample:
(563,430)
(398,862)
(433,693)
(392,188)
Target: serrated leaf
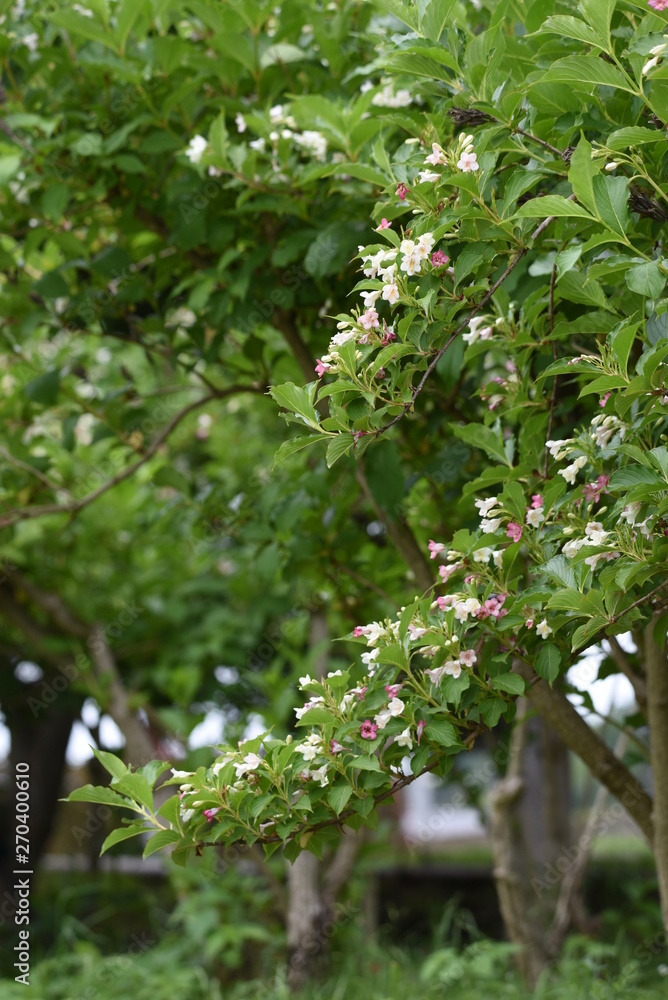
(547,662)
(552,204)
(337,448)
(122,833)
(338,797)
(161,839)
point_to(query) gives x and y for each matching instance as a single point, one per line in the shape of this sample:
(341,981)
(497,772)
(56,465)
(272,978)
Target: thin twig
(26,467)
(75,506)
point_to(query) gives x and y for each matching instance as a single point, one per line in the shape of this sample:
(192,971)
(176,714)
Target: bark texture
(656,668)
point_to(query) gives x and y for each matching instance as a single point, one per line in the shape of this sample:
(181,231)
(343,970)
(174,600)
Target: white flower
(425,245)
(240,122)
(571,471)
(259,145)
(314,143)
(373,633)
(369,658)
(335,673)
(428,177)
(465,608)
(250,762)
(305,681)
(611,166)
(467,162)
(467,657)
(411,264)
(396,707)
(592,561)
(186,814)
(557,449)
(631,512)
(320,774)
(535,516)
(84,11)
(182,774)
(83,429)
(311,703)
(571,548)
(650,64)
(416,633)
(391,294)
(605,428)
(386,98)
(595,533)
(276,114)
(382,718)
(498,559)
(543,629)
(370,298)
(485,506)
(196,148)
(404,739)
(483,555)
(489,525)
(31,41)
(437,155)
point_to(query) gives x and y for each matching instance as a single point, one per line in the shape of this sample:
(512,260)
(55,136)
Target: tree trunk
(656,669)
(530,823)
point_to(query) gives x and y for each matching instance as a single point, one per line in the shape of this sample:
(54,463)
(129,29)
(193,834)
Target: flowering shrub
(517,255)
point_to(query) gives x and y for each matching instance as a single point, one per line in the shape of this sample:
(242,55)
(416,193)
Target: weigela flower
(210,813)
(467,657)
(401,192)
(468,162)
(436,548)
(393,690)
(428,177)
(196,148)
(489,525)
(391,294)
(485,506)
(631,512)
(543,629)
(368,730)
(240,122)
(536,500)
(571,471)
(572,547)
(384,224)
(595,533)
(404,739)
(395,707)
(514,531)
(320,774)
(558,449)
(437,156)
(439,259)
(370,298)
(534,516)
(369,319)
(322,367)
(250,763)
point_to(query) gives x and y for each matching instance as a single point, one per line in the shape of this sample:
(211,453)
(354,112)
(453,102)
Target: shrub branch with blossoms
(517,256)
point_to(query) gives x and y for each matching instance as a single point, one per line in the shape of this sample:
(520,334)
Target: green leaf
(484,438)
(407,15)
(122,833)
(127,13)
(364,763)
(282,52)
(612,202)
(44,389)
(316,717)
(634,135)
(297,400)
(338,797)
(442,732)
(337,448)
(547,662)
(294,445)
(97,793)
(571,27)
(111,763)
(136,787)
(218,137)
(552,204)
(599,14)
(587,632)
(161,839)
(634,475)
(581,174)
(511,683)
(587,71)
(646,279)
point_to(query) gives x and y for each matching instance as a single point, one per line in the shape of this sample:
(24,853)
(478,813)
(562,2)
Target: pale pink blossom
(368,730)
(468,162)
(514,531)
(467,657)
(369,319)
(322,367)
(384,224)
(437,155)
(436,548)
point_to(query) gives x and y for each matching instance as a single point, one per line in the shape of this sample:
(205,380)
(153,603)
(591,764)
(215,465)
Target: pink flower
(658,5)
(467,657)
(359,631)
(335,746)
(369,319)
(420,729)
(514,531)
(393,690)
(368,730)
(384,224)
(436,548)
(445,572)
(529,623)
(439,259)
(210,813)
(362,691)
(536,501)
(358,434)
(388,336)
(401,191)
(321,367)
(604,399)
(592,491)
(470,578)
(467,162)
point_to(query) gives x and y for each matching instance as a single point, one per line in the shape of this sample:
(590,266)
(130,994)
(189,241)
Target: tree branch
(75,506)
(583,741)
